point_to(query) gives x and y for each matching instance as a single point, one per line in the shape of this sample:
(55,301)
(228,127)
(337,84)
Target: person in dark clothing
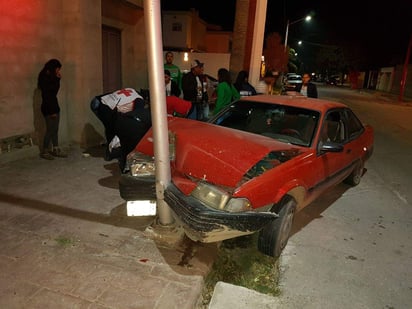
(192,89)
(130,127)
(204,106)
(172,88)
(307,88)
(108,117)
(243,86)
(49,84)
(124,115)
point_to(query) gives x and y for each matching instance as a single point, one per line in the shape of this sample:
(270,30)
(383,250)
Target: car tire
(355,177)
(274,236)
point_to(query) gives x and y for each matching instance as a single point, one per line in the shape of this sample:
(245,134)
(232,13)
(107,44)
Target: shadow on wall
(38,120)
(90,137)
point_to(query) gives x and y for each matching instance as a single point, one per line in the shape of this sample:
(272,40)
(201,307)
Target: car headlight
(217,198)
(140,164)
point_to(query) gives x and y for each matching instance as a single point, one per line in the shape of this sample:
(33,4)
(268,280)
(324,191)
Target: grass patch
(64,242)
(240,263)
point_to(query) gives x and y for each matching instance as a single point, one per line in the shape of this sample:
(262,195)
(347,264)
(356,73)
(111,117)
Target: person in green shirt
(226,93)
(175,73)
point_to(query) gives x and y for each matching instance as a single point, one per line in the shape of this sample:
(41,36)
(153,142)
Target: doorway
(112,62)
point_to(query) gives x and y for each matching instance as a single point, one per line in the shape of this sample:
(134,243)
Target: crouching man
(126,120)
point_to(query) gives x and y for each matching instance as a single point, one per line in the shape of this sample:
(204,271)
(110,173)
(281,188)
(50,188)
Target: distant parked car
(291,81)
(333,80)
(251,167)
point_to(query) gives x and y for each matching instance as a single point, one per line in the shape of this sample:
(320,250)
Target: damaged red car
(251,167)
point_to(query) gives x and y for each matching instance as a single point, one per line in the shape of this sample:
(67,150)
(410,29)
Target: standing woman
(226,93)
(49,84)
(242,84)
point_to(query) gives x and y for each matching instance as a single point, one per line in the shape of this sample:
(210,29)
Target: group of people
(124,114)
(194,87)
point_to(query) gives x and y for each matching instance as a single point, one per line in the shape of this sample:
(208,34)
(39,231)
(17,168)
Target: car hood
(221,155)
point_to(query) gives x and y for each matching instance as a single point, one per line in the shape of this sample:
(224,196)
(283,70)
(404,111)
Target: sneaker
(46,155)
(57,152)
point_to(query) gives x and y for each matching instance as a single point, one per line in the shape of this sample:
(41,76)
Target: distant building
(186,31)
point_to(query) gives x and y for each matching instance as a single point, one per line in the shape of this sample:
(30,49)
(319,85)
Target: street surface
(352,247)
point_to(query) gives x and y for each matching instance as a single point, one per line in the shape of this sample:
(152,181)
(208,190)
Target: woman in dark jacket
(49,84)
(243,86)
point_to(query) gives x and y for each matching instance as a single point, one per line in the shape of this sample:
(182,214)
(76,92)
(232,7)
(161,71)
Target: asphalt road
(352,247)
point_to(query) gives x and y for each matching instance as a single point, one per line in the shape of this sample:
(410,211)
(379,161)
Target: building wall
(385,79)
(34,32)
(192,32)
(218,42)
(198,32)
(29,38)
(82,68)
(397,77)
(173,38)
(248,37)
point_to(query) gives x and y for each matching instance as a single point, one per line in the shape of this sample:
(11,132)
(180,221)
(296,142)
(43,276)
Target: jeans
(52,129)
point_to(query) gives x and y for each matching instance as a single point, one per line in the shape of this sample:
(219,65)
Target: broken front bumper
(205,224)
(200,223)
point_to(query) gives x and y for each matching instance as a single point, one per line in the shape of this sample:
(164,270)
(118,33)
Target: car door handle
(348,150)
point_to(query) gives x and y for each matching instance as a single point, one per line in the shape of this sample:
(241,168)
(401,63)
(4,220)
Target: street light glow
(306,18)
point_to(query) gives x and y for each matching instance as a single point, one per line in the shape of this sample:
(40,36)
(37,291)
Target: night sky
(381,30)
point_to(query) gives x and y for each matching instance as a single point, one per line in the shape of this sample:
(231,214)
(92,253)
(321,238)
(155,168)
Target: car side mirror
(330,147)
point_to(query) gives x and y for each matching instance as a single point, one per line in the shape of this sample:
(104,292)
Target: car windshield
(287,124)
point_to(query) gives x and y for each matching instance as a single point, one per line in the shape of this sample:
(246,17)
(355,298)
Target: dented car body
(253,165)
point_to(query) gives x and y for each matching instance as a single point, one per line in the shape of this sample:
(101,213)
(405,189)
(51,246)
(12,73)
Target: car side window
(334,128)
(354,125)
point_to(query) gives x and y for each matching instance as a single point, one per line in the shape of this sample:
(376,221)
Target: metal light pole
(307,18)
(158,106)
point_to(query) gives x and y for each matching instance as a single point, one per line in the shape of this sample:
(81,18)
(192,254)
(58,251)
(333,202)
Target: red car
(253,166)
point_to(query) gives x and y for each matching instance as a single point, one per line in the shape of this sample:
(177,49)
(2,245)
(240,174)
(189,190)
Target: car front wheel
(355,177)
(274,236)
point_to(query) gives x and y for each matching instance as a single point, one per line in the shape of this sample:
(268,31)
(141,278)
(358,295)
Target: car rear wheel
(274,236)
(355,177)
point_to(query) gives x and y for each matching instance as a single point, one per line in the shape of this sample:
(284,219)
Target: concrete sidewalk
(66,242)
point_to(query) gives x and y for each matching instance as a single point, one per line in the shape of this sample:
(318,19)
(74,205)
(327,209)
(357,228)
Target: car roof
(319,105)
